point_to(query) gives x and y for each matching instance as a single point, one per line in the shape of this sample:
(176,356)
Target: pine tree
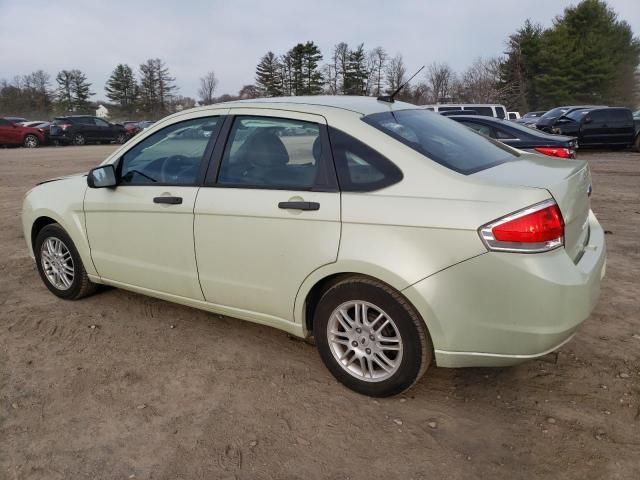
(520,70)
(313,79)
(121,87)
(356,74)
(156,87)
(73,91)
(588,57)
(268,75)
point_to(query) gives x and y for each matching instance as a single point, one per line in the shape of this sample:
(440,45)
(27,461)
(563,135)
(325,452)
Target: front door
(271,217)
(141,232)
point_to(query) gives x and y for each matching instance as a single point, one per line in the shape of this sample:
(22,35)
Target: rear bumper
(501,309)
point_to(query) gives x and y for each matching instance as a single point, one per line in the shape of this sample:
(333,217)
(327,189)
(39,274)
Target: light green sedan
(394,236)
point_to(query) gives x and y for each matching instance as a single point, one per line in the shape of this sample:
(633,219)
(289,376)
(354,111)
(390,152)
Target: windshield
(556,112)
(442,140)
(576,115)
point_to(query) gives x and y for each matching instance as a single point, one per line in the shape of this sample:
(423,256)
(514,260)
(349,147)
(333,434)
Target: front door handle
(168,200)
(299,205)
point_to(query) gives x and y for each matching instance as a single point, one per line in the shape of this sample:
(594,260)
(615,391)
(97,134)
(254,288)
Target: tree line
(587,56)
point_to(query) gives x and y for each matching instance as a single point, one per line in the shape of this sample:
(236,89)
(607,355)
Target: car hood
(62,178)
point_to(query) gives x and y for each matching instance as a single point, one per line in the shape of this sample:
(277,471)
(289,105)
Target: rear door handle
(299,205)
(168,200)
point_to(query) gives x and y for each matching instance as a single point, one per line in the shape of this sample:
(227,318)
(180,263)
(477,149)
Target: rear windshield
(61,121)
(443,140)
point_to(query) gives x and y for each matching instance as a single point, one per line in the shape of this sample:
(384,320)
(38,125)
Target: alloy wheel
(365,341)
(31,141)
(57,263)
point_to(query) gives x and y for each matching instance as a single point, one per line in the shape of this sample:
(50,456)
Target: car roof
(358,104)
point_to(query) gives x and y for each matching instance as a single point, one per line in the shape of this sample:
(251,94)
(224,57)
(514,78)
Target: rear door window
(500,112)
(442,140)
(478,127)
(618,116)
(267,152)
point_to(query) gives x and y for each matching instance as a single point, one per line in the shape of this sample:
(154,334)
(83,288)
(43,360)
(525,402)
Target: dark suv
(81,129)
(601,126)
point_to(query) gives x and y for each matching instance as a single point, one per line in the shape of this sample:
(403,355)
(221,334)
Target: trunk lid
(568,181)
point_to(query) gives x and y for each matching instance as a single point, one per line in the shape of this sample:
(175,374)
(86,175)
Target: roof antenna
(389,98)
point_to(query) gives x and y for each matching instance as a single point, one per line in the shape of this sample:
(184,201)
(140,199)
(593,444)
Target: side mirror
(587,119)
(102,177)
(14,125)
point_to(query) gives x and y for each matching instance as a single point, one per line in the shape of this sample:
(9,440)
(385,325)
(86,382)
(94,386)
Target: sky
(229,37)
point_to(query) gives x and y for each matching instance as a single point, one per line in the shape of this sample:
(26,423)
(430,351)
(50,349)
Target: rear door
(269,213)
(620,124)
(104,131)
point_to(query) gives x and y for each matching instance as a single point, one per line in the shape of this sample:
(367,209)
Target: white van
(486,109)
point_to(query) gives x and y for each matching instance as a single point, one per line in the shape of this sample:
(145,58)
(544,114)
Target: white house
(102,111)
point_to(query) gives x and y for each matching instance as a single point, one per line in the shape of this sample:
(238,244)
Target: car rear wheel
(370,338)
(31,141)
(59,264)
(78,139)
(121,138)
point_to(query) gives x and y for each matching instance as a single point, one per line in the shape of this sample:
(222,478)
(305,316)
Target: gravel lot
(121,386)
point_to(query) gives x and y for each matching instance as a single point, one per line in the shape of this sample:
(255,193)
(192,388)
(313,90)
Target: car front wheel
(59,264)
(121,138)
(370,337)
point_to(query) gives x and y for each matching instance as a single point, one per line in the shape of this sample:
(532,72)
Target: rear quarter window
(442,140)
(359,167)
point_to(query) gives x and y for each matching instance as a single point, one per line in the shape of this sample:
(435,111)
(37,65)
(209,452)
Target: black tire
(121,138)
(31,141)
(79,139)
(636,144)
(80,286)
(417,350)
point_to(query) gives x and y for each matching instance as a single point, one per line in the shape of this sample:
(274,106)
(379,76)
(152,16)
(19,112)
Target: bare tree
(395,72)
(208,85)
(440,79)
(376,62)
(480,82)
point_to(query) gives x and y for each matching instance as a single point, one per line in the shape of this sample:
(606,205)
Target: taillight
(538,228)
(556,152)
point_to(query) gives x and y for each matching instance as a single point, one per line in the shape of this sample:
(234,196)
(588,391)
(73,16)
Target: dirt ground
(160,391)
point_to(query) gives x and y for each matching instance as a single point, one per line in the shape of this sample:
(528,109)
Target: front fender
(62,201)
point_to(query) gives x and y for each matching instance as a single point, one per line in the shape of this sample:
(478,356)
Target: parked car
(521,137)
(15,119)
(490,110)
(82,129)
(144,124)
(32,123)
(451,113)
(547,122)
(513,115)
(14,134)
(601,126)
(530,118)
(131,127)
(395,236)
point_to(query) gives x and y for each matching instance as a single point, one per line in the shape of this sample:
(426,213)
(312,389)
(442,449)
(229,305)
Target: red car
(14,134)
